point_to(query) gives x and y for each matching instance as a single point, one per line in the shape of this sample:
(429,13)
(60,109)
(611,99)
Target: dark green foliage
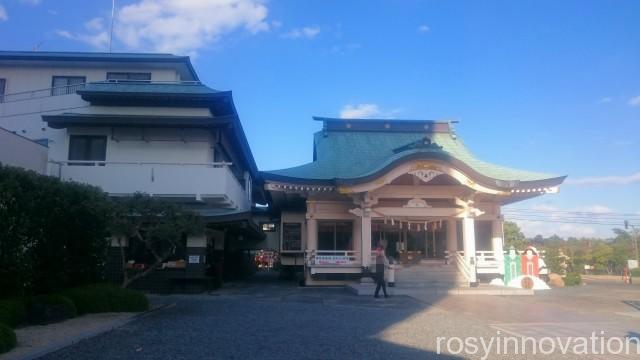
(635,273)
(7,338)
(572,279)
(52,233)
(107,298)
(13,312)
(45,309)
(513,236)
(156,228)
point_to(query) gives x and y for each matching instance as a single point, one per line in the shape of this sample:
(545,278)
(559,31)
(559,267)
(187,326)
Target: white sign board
(333,260)
(194,259)
(633,264)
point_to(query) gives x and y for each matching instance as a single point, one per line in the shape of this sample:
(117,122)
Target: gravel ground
(282,322)
(38,338)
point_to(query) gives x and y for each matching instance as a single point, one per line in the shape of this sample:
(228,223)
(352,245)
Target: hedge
(53,234)
(107,298)
(13,312)
(45,309)
(572,279)
(635,272)
(7,338)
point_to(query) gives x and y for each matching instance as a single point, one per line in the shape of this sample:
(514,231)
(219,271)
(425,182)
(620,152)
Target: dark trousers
(380,283)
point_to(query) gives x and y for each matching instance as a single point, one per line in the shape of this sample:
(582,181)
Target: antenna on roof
(113,15)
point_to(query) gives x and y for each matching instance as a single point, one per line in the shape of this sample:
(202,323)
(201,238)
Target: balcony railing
(212,183)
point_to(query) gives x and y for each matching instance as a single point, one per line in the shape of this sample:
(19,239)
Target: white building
(137,123)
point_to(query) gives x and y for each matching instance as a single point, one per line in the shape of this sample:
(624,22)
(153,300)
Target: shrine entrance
(410,242)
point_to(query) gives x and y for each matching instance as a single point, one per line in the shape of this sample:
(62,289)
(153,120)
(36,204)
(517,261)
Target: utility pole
(113,15)
(634,236)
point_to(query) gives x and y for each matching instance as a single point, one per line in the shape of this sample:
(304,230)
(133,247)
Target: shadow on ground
(265,318)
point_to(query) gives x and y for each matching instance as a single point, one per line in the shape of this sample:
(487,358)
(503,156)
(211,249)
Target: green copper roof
(175,88)
(355,154)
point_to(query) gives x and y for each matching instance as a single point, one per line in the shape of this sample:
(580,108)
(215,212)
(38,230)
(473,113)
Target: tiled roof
(347,155)
(72,55)
(187,88)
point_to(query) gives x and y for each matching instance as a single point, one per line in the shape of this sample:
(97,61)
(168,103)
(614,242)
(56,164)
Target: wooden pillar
(469,243)
(365,232)
(497,239)
(312,233)
(452,236)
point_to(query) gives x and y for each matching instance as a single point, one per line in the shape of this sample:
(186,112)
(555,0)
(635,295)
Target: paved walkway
(275,320)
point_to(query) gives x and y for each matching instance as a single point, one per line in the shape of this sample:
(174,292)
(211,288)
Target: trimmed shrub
(572,279)
(54,233)
(635,272)
(45,309)
(13,312)
(7,338)
(107,298)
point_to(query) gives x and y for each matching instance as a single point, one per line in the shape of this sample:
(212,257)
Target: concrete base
(369,289)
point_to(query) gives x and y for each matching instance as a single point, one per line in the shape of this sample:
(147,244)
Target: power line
(43,111)
(567,217)
(569,221)
(570,212)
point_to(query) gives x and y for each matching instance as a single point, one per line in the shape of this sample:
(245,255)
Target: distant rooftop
(96,57)
(385,125)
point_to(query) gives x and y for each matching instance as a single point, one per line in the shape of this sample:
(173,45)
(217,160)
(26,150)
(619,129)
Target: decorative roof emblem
(423,144)
(416,203)
(425,175)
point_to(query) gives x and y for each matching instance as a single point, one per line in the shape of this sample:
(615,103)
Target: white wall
(19,151)
(24,116)
(176,151)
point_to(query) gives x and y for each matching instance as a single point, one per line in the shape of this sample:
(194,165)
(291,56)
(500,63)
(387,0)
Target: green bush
(107,298)
(53,234)
(635,272)
(45,309)
(572,279)
(7,338)
(13,312)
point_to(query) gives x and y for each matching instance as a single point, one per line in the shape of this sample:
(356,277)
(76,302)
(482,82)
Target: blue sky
(541,85)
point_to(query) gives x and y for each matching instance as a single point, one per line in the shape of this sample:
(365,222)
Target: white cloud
(605,100)
(605,180)
(359,111)
(423,29)
(3,14)
(98,37)
(634,101)
(307,32)
(367,111)
(180,27)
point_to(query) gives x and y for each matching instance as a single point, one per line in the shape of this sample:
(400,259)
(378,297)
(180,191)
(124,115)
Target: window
(268,227)
(128,76)
(291,236)
(3,83)
(335,235)
(87,147)
(63,85)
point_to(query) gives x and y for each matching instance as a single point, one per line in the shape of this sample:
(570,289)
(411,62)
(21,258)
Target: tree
(513,236)
(159,226)
(602,255)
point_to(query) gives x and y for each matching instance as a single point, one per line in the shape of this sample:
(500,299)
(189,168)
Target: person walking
(381,265)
